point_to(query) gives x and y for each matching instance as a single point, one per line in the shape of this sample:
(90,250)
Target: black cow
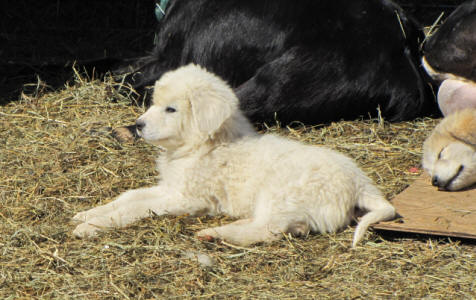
(309,61)
(450,57)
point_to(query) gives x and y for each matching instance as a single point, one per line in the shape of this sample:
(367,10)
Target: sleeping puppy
(449,153)
(215,163)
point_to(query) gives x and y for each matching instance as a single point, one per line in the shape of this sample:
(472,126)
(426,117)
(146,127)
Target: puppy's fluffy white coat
(449,153)
(215,163)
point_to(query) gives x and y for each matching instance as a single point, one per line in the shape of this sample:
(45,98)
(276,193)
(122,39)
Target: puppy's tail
(377,207)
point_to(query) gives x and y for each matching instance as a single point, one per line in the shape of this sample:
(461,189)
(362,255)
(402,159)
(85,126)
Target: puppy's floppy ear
(464,126)
(210,109)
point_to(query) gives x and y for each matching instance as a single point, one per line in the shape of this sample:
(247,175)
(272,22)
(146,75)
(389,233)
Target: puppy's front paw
(89,214)
(85,230)
(208,235)
(80,217)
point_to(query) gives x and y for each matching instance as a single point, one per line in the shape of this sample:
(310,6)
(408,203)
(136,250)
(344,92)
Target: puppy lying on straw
(449,153)
(215,163)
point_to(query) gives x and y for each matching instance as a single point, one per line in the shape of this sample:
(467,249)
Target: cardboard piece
(426,210)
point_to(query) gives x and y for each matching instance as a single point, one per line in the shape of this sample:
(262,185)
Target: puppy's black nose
(435,181)
(140,125)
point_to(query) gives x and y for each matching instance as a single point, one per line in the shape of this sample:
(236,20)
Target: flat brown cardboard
(424,209)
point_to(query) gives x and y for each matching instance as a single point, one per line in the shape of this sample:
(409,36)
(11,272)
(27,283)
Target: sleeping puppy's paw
(207,235)
(86,230)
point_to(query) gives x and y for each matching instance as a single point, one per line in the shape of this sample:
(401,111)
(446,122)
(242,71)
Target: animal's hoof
(126,134)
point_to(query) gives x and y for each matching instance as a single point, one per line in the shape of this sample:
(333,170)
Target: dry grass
(57,158)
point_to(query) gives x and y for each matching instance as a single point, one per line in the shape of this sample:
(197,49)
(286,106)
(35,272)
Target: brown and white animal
(450,58)
(449,153)
(215,163)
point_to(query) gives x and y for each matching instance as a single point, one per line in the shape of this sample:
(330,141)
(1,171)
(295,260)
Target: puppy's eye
(439,154)
(170,109)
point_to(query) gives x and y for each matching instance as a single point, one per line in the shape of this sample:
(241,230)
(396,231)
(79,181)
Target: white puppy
(449,153)
(215,163)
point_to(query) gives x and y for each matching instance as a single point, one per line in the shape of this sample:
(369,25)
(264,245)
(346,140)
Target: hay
(57,158)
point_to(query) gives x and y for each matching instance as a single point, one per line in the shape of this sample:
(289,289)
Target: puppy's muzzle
(444,184)
(139,126)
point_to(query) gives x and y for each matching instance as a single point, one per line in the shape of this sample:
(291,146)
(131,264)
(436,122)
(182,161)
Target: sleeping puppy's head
(449,153)
(191,106)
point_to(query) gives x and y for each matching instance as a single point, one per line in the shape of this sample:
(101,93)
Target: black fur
(452,49)
(309,61)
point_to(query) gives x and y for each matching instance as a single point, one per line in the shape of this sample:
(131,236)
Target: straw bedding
(57,157)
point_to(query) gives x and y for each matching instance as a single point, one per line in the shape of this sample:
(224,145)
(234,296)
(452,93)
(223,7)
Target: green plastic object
(160,9)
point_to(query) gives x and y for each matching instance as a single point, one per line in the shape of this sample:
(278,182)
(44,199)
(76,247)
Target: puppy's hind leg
(242,232)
